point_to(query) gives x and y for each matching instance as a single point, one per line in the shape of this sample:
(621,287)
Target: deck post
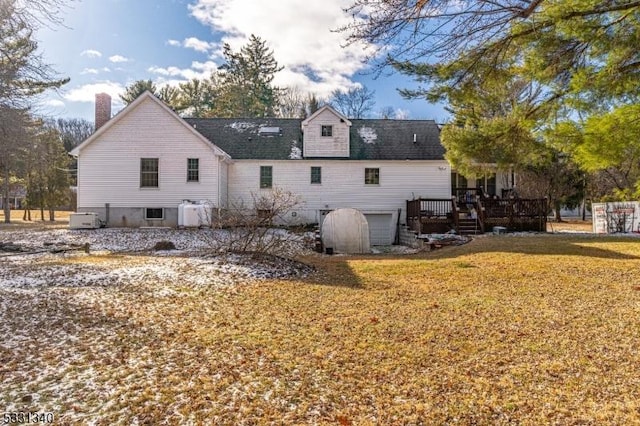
(455,213)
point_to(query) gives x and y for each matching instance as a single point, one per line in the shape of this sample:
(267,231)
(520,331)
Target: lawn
(61,219)
(504,330)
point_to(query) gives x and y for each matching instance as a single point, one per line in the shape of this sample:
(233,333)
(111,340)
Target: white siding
(343,184)
(316,145)
(109,167)
(224,183)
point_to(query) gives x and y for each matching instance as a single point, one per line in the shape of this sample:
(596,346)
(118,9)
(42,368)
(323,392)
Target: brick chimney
(103,109)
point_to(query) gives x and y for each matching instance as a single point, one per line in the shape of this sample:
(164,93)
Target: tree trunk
(52,215)
(41,213)
(5,196)
(27,212)
(557,206)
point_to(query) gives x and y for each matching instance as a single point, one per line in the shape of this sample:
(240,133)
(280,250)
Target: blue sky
(107,44)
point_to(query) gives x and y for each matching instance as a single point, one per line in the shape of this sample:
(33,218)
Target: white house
(138,166)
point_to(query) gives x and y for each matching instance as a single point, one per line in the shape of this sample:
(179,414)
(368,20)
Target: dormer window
(325,134)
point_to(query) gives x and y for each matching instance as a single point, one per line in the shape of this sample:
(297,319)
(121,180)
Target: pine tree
(246,89)
(572,60)
(137,88)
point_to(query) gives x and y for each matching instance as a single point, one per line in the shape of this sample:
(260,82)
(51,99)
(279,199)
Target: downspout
(219,173)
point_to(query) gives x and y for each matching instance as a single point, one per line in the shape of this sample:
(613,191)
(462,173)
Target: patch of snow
(368,134)
(394,250)
(214,272)
(296,153)
(131,239)
(242,126)
(196,262)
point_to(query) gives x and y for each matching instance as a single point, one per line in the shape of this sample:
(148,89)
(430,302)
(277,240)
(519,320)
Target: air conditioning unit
(84,221)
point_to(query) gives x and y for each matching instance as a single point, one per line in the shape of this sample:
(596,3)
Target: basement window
(154,213)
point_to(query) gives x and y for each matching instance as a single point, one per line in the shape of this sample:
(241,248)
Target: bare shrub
(259,227)
(164,245)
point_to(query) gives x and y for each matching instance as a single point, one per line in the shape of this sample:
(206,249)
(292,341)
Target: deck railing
(515,213)
(435,209)
(514,207)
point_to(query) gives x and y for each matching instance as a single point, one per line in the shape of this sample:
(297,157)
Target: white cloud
(197,70)
(118,58)
(89,71)
(56,103)
(193,43)
(87,93)
(402,114)
(197,44)
(91,53)
(300,34)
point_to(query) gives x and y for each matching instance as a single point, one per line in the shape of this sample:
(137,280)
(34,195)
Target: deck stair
(468,227)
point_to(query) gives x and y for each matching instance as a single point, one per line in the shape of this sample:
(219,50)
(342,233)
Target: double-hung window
(266,176)
(316,175)
(193,169)
(148,173)
(372,176)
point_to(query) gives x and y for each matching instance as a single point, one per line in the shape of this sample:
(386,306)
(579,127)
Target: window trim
(263,176)
(195,170)
(319,175)
(146,213)
(147,173)
(376,176)
(326,130)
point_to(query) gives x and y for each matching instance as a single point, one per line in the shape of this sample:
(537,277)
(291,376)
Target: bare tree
(391,113)
(354,103)
(291,103)
(73,131)
(23,76)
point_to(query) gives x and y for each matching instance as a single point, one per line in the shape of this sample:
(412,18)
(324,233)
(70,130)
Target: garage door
(380,229)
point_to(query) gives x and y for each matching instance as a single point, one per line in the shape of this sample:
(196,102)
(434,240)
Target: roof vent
(270,131)
(415,138)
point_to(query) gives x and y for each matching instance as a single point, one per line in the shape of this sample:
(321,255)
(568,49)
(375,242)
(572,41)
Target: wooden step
(468,227)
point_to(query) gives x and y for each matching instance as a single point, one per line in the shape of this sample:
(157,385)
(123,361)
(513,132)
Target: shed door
(380,229)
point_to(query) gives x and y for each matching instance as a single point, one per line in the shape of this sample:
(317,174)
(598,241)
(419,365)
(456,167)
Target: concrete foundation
(132,216)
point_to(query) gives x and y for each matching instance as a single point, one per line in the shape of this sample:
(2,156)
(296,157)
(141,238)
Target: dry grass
(571,225)
(62,219)
(528,330)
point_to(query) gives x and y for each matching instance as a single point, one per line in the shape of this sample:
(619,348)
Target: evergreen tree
(246,89)
(137,88)
(197,97)
(571,60)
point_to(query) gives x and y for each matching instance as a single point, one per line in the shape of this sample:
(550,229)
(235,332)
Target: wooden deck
(476,215)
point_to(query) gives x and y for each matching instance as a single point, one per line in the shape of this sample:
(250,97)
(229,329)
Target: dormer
(326,134)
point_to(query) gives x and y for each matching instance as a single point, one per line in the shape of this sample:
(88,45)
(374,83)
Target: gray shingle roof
(370,139)
(393,140)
